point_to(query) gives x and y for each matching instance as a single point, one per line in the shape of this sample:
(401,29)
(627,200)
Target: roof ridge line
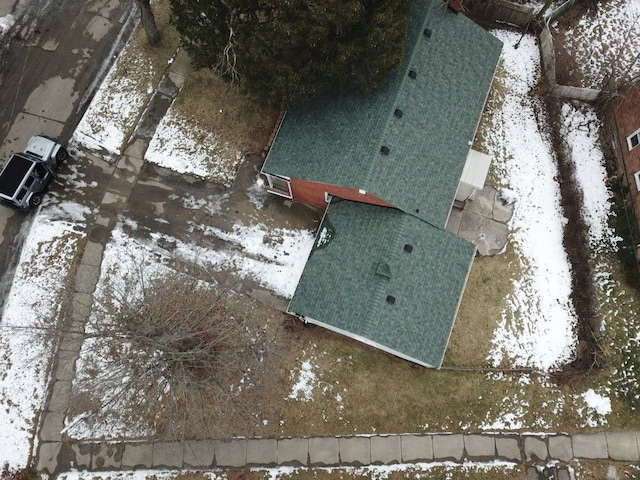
(379,295)
(404,68)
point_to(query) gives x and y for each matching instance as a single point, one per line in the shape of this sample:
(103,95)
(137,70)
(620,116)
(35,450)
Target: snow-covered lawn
(536,329)
(273,257)
(495,469)
(117,104)
(32,307)
(185,148)
(606,42)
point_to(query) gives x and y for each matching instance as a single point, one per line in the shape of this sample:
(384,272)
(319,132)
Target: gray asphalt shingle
(360,261)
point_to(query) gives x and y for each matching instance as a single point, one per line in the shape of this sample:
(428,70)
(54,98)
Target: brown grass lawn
(458,472)
(584,470)
(483,302)
(216,106)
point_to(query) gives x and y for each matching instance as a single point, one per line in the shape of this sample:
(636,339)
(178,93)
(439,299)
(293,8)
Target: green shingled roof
(338,139)
(360,261)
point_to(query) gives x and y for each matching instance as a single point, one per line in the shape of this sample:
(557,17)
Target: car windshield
(40,171)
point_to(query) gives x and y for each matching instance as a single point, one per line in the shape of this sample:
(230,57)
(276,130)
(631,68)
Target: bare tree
(227,65)
(159,348)
(149,22)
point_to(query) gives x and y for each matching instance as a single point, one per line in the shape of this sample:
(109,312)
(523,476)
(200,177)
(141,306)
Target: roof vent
(408,248)
(413,74)
(383,269)
(417,210)
(427,32)
(384,150)
(398,113)
(391,299)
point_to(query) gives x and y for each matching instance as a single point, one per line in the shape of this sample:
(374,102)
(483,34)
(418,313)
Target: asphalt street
(51,62)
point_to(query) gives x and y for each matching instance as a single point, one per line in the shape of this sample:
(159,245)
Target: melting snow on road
(6,23)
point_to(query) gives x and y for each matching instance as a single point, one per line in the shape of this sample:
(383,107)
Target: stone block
(48,457)
(60,396)
(386,450)
(124,175)
(623,446)
(323,451)
(262,452)
(480,446)
(293,451)
(355,450)
(231,453)
(135,153)
(416,448)
(66,368)
(92,254)
(199,453)
(86,278)
(560,448)
(447,447)
(535,449)
(592,446)
(181,63)
(508,448)
(81,456)
(107,456)
(82,303)
(113,198)
(52,427)
(137,455)
(167,455)
(71,342)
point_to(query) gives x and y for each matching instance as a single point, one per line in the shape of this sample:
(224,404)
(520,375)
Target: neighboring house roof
(338,139)
(366,254)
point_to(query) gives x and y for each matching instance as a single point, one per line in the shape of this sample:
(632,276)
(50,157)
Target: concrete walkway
(239,453)
(123,177)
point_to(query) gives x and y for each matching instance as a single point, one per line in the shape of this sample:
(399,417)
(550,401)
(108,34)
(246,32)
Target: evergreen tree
(285,53)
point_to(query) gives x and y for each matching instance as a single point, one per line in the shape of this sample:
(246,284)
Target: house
(387,169)
(624,118)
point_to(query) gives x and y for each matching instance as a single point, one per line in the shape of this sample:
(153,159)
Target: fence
(549,62)
(501,11)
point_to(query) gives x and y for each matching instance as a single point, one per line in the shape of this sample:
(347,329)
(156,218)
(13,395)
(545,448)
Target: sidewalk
(239,453)
(123,178)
